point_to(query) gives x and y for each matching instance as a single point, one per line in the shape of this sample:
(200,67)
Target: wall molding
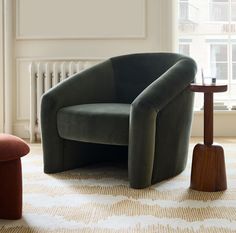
(18,102)
(8,65)
(1,68)
(136,28)
(18,59)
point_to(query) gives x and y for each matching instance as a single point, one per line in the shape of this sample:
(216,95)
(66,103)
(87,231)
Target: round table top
(208,88)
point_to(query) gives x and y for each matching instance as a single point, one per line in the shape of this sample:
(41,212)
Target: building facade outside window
(219,10)
(184,47)
(219,61)
(207,32)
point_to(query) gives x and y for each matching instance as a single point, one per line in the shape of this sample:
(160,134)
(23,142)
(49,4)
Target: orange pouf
(11,149)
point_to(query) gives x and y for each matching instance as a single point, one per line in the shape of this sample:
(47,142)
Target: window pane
(183,11)
(219,70)
(218,52)
(184,49)
(234,71)
(220,0)
(233,11)
(234,52)
(219,11)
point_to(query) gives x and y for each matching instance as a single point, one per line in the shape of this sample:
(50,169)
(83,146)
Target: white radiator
(43,76)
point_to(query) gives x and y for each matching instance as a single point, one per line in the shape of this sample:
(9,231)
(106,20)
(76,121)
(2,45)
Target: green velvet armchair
(136,107)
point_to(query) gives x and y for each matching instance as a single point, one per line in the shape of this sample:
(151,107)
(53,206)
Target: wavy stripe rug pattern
(98,199)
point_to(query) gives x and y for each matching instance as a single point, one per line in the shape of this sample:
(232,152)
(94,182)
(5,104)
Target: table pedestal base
(208,168)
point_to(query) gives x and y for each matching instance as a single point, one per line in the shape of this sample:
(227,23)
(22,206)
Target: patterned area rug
(98,199)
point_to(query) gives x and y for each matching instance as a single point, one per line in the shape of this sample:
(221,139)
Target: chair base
(11,189)
(208,168)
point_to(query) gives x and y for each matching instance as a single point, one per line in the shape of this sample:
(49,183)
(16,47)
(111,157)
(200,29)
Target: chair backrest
(134,72)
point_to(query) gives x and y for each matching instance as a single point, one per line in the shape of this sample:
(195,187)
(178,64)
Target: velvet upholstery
(137,104)
(98,123)
(11,149)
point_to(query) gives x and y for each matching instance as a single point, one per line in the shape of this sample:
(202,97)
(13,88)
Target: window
(233,10)
(234,62)
(222,10)
(219,10)
(184,49)
(219,61)
(210,38)
(183,13)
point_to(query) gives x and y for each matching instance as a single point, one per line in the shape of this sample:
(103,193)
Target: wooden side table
(208,165)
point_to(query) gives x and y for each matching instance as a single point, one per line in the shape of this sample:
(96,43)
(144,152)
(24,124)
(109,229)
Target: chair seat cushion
(106,123)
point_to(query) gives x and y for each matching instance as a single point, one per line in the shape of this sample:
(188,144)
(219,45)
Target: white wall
(224,123)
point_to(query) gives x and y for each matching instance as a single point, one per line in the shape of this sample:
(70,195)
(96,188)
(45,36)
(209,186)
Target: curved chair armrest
(90,86)
(168,85)
(143,115)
